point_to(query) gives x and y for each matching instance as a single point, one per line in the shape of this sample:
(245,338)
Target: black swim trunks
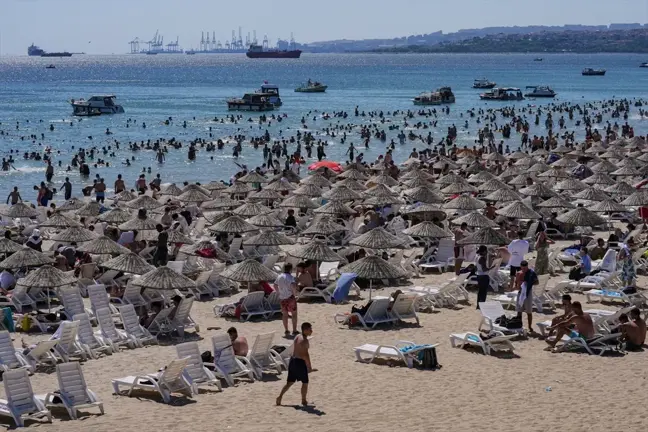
(297,370)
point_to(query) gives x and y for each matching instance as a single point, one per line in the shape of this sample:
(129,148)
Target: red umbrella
(333,166)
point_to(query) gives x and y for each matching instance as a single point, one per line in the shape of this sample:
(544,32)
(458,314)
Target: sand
(535,391)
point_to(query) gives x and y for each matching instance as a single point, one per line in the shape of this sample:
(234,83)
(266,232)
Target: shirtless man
(239,343)
(567,307)
(633,329)
(300,364)
(579,324)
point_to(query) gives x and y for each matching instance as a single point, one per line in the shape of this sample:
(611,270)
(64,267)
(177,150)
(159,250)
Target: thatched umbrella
(604,166)
(353,174)
(538,190)
(249,271)
(377,238)
(464,202)
(449,179)
(481,177)
(316,179)
(26,257)
(172,190)
(197,187)
(538,168)
(626,170)
(8,246)
(637,199)
(373,268)
(164,279)
(194,196)
(265,195)
(381,179)
(424,194)
(309,190)
(281,186)
(485,236)
(71,205)
(215,186)
(74,234)
(520,180)
(564,163)
(265,221)
(238,188)
(215,216)
(268,238)
(138,224)
(128,263)
(518,210)
(116,216)
(475,220)
(91,209)
(145,202)
(493,184)
(503,195)
(427,210)
(59,220)
(555,202)
(103,246)
(458,188)
(379,190)
(125,196)
(581,216)
(220,203)
(233,225)
(253,177)
(21,210)
(510,172)
(298,201)
(599,179)
(323,226)
(335,208)
(620,188)
(608,205)
(251,209)
(47,277)
(315,250)
(417,173)
(427,229)
(351,184)
(592,194)
(342,193)
(570,184)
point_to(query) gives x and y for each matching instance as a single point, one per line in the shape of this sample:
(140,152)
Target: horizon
(80,26)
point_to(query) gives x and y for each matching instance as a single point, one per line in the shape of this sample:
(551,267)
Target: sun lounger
(602,343)
(172,379)
(404,308)
(67,345)
(21,404)
(73,392)
(9,358)
(182,320)
(20,298)
(261,356)
(229,366)
(501,342)
(132,327)
(99,299)
(376,314)
(161,324)
(109,334)
(40,354)
(442,259)
(252,305)
(491,310)
(195,368)
(73,302)
(92,344)
(636,298)
(399,351)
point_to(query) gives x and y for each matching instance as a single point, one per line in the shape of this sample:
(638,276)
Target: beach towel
(522,295)
(342,286)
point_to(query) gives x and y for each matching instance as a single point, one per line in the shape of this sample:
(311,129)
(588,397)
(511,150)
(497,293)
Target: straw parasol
(381,179)
(309,190)
(196,187)
(265,195)
(335,208)
(379,190)
(353,174)
(215,186)
(281,186)
(215,216)
(128,263)
(298,201)
(268,238)
(377,238)
(351,184)
(621,188)
(91,209)
(59,220)
(475,220)
(492,185)
(458,188)
(570,184)
(103,246)
(26,257)
(520,180)
(605,166)
(316,179)
(427,229)
(581,216)
(432,210)
(518,210)
(248,271)
(164,279)
(373,268)
(125,196)
(138,224)
(238,188)
(555,202)
(251,209)
(253,177)
(172,190)
(342,193)
(599,179)
(47,277)
(464,202)
(564,163)
(538,168)
(233,225)
(316,250)
(220,203)
(539,190)
(194,195)
(449,179)
(8,246)
(485,236)
(592,194)
(21,210)
(608,205)
(323,226)
(626,171)
(145,202)
(116,216)
(639,198)
(503,195)
(265,221)
(74,234)
(424,194)
(71,205)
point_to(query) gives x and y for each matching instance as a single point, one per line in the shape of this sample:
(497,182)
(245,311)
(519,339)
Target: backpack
(513,323)
(428,359)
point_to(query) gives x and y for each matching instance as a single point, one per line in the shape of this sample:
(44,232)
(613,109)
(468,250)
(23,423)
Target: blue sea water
(194,88)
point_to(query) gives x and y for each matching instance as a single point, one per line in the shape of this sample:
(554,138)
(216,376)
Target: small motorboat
(311,87)
(442,96)
(483,84)
(50,66)
(593,72)
(540,92)
(251,102)
(104,104)
(644,65)
(538,59)
(503,94)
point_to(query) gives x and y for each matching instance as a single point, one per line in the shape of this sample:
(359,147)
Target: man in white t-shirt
(286,287)
(517,248)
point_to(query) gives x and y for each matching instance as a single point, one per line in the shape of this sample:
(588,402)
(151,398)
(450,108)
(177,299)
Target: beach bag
(513,323)
(428,359)
(501,321)
(629,290)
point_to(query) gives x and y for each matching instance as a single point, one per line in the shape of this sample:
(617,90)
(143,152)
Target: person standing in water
(67,188)
(49,172)
(300,364)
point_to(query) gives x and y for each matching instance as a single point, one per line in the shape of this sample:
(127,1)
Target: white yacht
(540,92)
(96,105)
(483,83)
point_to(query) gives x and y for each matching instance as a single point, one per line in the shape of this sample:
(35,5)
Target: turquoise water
(194,88)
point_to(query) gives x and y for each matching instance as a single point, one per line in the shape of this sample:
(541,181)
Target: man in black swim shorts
(300,364)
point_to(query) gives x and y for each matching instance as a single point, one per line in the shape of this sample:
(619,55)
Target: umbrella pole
(370,288)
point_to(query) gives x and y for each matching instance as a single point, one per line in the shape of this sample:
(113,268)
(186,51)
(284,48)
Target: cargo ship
(258,51)
(34,51)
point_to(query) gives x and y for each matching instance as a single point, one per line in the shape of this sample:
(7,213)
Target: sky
(106,26)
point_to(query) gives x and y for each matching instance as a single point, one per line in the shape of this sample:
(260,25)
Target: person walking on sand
(300,364)
(286,286)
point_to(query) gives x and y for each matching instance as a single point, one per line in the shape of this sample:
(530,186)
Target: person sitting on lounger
(567,307)
(633,330)
(239,343)
(304,278)
(579,325)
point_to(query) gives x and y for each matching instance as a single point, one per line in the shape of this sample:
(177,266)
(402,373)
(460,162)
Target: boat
(96,104)
(251,102)
(442,96)
(273,93)
(593,72)
(190,52)
(311,87)
(51,66)
(644,65)
(35,51)
(540,92)
(258,51)
(503,94)
(483,84)
(538,59)
(57,54)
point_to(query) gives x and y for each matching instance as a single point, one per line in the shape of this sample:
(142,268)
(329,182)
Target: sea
(194,88)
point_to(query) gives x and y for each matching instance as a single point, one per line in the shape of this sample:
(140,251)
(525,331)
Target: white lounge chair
(392,352)
(491,310)
(228,365)
(172,379)
(261,356)
(73,392)
(253,304)
(637,298)
(67,345)
(602,343)
(442,259)
(202,288)
(182,319)
(195,368)
(132,295)
(9,357)
(161,324)
(21,404)
(273,304)
(40,354)
(327,270)
(91,343)
(99,299)
(377,313)
(20,298)
(501,342)
(132,327)
(73,302)
(404,307)
(109,334)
